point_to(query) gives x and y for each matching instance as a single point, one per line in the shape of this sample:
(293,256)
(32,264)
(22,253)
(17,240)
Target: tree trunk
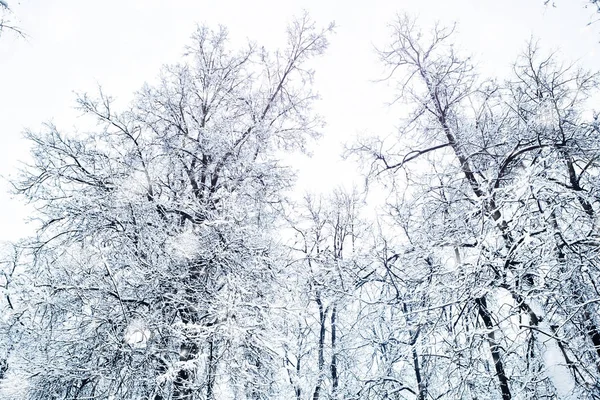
(334,371)
(211,370)
(182,385)
(321,360)
(486,317)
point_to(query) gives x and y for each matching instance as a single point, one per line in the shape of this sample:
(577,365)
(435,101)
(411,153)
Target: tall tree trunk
(486,317)
(491,210)
(298,389)
(414,335)
(321,350)
(211,371)
(420,383)
(333,367)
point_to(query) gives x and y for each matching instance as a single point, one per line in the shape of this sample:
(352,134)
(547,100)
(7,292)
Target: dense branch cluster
(500,212)
(169,264)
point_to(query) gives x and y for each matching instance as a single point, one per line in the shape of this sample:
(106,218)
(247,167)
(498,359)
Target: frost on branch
(153,256)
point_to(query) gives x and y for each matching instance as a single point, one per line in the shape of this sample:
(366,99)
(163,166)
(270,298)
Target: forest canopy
(172,263)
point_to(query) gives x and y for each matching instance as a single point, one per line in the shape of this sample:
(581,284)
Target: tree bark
(486,317)
(333,367)
(321,349)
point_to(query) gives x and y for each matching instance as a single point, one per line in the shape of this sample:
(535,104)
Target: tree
(486,178)
(327,252)
(149,276)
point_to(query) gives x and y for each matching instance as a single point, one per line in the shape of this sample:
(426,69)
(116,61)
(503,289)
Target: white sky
(73,45)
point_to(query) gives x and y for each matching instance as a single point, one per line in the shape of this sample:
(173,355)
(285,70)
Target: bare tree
(476,175)
(325,254)
(150,272)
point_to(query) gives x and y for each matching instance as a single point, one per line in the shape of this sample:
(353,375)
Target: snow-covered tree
(493,188)
(324,351)
(150,274)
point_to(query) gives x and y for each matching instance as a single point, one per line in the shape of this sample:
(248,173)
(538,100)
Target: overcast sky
(74,45)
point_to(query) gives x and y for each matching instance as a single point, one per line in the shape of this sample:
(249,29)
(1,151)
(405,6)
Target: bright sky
(73,45)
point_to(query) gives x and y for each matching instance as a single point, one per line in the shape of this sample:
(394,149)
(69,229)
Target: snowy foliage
(499,222)
(169,265)
(151,272)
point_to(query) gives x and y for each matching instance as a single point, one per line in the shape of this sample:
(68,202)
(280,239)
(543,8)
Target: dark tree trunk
(321,360)
(334,370)
(211,371)
(182,385)
(494,347)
